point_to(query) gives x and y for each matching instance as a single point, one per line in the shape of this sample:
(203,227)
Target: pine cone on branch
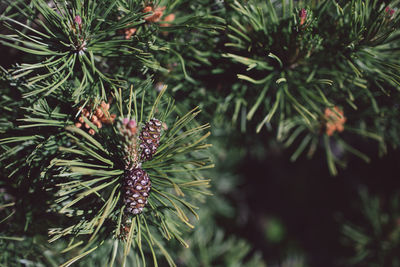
(150,138)
(137,188)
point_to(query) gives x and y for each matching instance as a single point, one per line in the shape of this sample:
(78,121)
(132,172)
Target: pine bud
(335,120)
(168,18)
(78,20)
(389,11)
(303,16)
(129,32)
(156,15)
(98,124)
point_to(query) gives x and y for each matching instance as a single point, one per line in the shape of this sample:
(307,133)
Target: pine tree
(104,150)
(68,141)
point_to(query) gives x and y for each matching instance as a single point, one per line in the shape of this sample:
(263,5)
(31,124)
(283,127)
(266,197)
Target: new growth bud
(78,20)
(303,16)
(130,125)
(389,11)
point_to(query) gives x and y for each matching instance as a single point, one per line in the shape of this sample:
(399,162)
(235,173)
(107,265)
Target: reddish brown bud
(78,20)
(99,113)
(169,18)
(335,120)
(98,124)
(303,16)
(157,13)
(147,9)
(389,11)
(105,106)
(129,32)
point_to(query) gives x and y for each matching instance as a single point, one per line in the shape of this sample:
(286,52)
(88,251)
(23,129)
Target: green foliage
(322,76)
(340,53)
(86,173)
(72,49)
(210,247)
(375,242)
(74,46)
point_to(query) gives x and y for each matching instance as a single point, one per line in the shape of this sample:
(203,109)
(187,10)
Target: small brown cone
(137,188)
(150,138)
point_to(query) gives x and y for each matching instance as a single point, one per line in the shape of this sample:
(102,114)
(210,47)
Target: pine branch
(88,174)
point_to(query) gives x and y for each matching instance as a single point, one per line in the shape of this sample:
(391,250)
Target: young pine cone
(137,188)
(150,138)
